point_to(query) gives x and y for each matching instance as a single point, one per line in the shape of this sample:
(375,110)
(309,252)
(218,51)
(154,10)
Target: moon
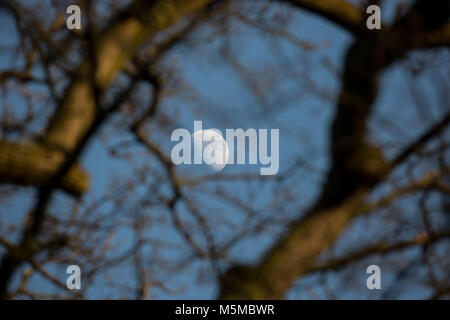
(205,137)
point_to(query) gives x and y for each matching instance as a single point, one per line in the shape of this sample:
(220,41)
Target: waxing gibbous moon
(209,138)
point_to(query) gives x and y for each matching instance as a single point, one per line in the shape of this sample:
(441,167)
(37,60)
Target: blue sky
(303,120)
